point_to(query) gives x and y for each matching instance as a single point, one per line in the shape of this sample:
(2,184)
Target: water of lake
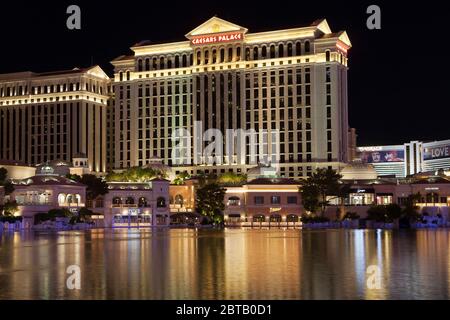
(226,264)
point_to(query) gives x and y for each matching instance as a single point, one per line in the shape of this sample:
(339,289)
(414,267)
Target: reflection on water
(229,264)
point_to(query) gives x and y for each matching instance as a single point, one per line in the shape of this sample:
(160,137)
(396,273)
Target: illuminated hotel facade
(292,80)
(54,116)
(407,159)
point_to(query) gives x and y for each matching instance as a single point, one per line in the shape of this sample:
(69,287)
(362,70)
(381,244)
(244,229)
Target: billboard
(383,156)
(439,152)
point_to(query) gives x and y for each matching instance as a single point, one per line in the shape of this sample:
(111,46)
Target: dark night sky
(397,79)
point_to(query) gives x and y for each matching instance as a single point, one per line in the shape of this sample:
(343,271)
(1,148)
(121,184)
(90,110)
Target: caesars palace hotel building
(293,81)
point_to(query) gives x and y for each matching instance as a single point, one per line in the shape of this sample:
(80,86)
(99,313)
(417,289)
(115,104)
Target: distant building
(264,202)
(54,116)
(45,191)
(135,204)
(407,159)
(367,189)
(17,169)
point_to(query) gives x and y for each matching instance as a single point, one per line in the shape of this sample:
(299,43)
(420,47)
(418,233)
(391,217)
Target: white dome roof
(358,170)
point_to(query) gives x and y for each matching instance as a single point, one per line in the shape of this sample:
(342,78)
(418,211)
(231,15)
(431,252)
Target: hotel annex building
(292,80)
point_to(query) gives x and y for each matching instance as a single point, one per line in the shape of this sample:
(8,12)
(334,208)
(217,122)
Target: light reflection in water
(230,264)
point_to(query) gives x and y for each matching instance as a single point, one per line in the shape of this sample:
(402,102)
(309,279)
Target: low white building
(134,204)
(46,191)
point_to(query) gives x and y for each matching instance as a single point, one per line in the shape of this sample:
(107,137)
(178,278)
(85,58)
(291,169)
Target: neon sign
(217,38)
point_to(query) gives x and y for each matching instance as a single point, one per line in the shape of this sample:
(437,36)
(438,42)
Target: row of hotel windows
(328,108)
(259,200)
(53,88)
(229,54)
(168,87)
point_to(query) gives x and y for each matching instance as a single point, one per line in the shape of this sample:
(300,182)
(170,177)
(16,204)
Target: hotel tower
(292,80)
(54,116)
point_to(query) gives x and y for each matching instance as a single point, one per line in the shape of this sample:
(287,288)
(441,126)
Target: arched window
(169,62)
(139,65)
(199,57)
(230,54)
(142,202)
(255,53)
(281,50)
(161,63)
(264,52)
(184,61)
(214,56)
(289,49)
(155,64)
(177,61)
(179,199)
(191,59)
(298,48)
(272,51)
(129,200)
(247,54)
(259,218)
(128,75)
(206,56)
(61,199)
(117,200)
(327,55)
(292,218)
(307,47)
(147,64)
(222,55)
(70,199)
(161,202)
(234,201)
(275,218)
(120,76)
(238,54)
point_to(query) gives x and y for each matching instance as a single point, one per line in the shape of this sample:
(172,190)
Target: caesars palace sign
(217,38)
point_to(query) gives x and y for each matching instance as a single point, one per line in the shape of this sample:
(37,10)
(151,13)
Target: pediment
(215,25)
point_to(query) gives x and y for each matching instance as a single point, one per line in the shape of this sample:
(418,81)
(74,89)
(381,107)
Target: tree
(3,175)
(318,187)
(206,178)
(231,178)
(393,212)
(377,213)
(209,200)
(386,214)
(9,208)
(95,186)
(410,210)
(310,197)
(7,185)
(136,174)
(179,180)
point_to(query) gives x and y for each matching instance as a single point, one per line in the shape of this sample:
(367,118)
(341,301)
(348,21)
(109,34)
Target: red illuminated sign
(217,38)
